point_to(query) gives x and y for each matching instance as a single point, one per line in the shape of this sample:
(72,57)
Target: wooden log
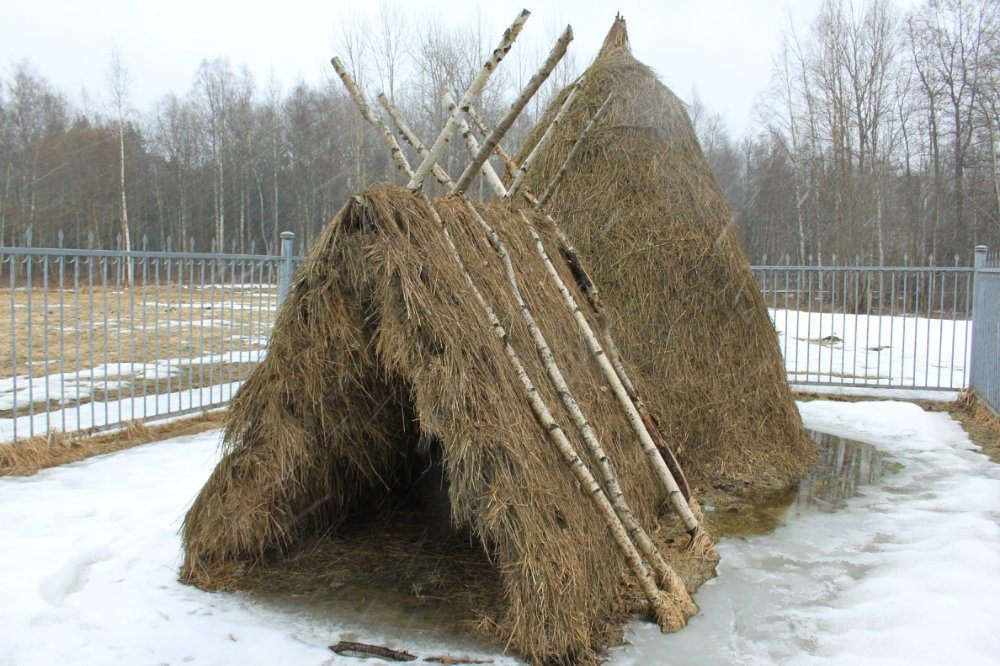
(536,81)
(364,650)
(468,97)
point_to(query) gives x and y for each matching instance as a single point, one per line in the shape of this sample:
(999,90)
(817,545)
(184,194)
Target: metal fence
(902,327)
(985,377)
(101,338)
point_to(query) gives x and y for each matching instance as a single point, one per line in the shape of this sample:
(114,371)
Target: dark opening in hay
(381,356)
(640,202)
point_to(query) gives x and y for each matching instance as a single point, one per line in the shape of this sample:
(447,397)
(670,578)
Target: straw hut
(381,367)
(640,202)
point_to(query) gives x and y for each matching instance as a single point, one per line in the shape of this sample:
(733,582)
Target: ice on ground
(907,573)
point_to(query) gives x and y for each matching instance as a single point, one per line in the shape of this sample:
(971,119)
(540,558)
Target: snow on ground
(873,350)
(908,573)
(70,392)
(827,353)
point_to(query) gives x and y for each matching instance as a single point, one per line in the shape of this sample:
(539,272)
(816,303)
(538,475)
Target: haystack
(380,363)
(640,202)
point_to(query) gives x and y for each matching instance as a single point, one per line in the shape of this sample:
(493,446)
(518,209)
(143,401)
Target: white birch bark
(470,95)
(554,183)
(542,142)
(473,145)
(669,472)
(536,81)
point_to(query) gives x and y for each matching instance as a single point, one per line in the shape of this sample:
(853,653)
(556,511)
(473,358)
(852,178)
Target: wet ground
(842,465)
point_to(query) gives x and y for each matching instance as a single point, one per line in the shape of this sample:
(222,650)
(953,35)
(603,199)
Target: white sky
(724,48)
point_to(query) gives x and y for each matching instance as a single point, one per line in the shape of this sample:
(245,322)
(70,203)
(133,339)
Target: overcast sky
(723,48)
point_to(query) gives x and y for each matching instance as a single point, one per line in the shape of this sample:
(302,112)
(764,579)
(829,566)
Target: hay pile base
(641,204)
(381,362)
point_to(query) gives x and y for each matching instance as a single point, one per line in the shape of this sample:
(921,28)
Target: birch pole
(580,273)
(536,81)
(468,97)
(615,493)
(669,610)
(549,133)
(642,423)
(580,140)
(470,141)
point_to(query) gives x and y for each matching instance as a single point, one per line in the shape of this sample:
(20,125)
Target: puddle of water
(842,466)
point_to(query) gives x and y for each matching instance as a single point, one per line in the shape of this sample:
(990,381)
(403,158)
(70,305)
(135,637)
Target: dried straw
(379,349)
(641,204)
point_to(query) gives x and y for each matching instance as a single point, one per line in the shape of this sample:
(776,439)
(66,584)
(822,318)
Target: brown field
(87,340)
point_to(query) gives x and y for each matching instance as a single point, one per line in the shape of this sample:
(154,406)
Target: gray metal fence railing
(985,377)
(901,327)
(102,338)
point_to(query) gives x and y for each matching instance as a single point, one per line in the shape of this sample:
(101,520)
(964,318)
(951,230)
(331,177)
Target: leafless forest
(878,137)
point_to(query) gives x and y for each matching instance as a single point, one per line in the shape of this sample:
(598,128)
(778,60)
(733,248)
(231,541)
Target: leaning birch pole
(536,81)
(549,133)
(580,140)
(470,141)
(468,97)
(615,494)
(411,138)
(667,608)
(679,500)
(597,452)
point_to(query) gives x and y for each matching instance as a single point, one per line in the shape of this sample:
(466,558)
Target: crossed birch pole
(671,605)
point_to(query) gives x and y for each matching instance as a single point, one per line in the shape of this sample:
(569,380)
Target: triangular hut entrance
(444,325)
(640,202)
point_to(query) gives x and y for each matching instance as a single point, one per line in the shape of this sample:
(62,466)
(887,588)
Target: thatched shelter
(381,367)
(640,202)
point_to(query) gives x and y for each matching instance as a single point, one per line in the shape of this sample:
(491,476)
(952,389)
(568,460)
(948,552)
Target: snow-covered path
(909,573)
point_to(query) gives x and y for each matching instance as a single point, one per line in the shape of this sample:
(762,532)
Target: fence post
(978,322)
(285,265)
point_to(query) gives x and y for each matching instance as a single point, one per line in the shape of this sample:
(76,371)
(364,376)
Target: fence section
(871,326)
(99,338)
(986,329)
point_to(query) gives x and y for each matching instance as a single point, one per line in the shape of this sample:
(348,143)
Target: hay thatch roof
(379,351)
(640,202)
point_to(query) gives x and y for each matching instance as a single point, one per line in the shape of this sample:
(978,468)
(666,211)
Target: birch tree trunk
(119,83)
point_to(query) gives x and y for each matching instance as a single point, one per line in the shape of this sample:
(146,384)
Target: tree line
(878,137)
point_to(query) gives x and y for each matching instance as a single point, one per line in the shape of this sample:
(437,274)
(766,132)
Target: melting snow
(907,573)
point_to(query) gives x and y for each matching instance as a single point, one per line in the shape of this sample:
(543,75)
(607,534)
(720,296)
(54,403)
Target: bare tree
(118,83)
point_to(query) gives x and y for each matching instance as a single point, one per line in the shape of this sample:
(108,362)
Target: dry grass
(982,425)
(37,453)
(642,206)
(380,364)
